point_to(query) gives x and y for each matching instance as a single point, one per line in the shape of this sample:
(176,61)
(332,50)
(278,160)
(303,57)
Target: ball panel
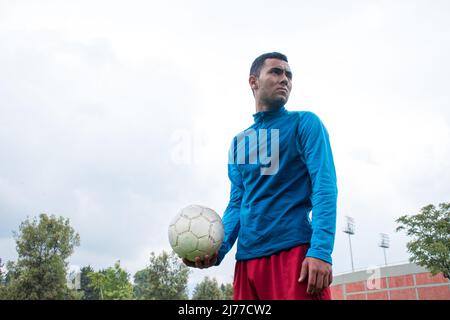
(191,211)
(187,242)
(216,246)
(196,253)
(199,226)
(206,244)
(216,232)
(182,225)
(173,236)
(210,214)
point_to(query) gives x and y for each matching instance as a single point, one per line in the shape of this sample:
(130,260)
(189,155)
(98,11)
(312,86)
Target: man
(281,252)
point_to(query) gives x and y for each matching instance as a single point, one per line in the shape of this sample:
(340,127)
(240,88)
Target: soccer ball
(196,231)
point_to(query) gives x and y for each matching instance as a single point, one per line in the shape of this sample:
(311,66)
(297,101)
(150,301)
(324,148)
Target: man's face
(274,83)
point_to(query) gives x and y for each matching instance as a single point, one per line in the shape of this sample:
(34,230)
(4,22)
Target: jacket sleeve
(314,145)
(231,216)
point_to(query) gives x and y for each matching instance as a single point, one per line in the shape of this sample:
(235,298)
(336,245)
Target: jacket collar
(266,115)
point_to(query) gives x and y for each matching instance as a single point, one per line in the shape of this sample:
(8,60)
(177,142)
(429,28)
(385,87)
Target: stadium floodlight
(384,243)
(350,230)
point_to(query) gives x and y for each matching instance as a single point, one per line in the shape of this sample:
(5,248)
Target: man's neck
(261,107)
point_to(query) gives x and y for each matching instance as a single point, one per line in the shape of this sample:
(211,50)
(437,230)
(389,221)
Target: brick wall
(415,286)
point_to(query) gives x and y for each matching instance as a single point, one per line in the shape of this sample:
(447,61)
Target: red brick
(403,294)
(358,296)
(373,285)
(355,287)
(380,295)
(401,281)
(427,278)
(434,293)
(337,292)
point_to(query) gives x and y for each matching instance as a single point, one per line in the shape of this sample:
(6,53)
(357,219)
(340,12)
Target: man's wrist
(319,255)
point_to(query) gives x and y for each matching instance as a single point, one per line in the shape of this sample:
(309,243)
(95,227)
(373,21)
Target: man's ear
(253,81)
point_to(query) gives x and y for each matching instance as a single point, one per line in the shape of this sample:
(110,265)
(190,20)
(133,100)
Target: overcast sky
(116,114)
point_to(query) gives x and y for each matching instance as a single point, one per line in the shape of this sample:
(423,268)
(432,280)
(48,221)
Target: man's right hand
(201,264)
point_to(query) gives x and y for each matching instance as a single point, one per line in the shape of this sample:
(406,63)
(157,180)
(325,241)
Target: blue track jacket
(281,168)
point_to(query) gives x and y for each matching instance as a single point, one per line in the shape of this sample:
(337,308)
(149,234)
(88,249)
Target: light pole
(384,243)
(350,230)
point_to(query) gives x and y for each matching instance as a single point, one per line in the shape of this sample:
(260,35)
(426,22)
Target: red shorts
(274,278)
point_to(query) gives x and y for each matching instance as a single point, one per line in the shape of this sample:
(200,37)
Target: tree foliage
(43,247)
(208,289)
(227,291)
(430,230)
(1,272)
(86,287)
(2,281)
(164,279)
(112,283)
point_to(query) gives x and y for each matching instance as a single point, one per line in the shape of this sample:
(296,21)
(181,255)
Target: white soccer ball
(196,231)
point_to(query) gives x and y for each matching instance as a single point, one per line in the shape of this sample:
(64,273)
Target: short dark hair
(259,62)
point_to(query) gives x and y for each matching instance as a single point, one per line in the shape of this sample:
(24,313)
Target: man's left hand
(318,273)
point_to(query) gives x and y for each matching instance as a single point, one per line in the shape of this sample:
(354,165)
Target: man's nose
(285,79)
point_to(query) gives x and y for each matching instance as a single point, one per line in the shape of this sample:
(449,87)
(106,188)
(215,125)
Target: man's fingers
(330,279)
(319,282)
(326,281)
(303,272)
(198,263)
(188,262)
(207,261)
(312,278)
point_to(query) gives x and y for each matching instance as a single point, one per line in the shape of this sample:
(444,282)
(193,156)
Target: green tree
(2,282)
(86,287)
(227,291)
(43,247)
(208,289)
(430,246)
(165,278)
(1,272)
(112,283)
(97,282)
